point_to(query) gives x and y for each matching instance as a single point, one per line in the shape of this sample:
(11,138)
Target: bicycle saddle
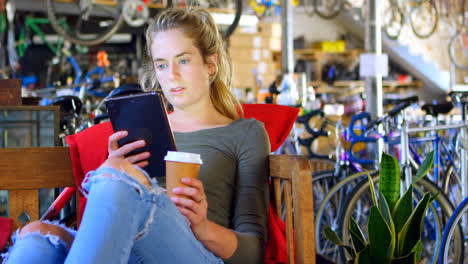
(438,108)
(396,101)
(126,89)
(460,96)
(69,104)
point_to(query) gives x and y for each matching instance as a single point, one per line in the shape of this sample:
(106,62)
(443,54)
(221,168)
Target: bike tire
(235,22)
(434,19)
(454,57)
(320,184)
(75,37)
(452,185)
(326,215)
(331,10)
(398,15)
(309,7)
(420,187)
(450,230)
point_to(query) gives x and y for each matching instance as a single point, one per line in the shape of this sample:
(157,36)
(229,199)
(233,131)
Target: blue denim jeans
(123,222)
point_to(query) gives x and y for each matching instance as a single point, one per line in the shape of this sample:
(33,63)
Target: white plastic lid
(178,156)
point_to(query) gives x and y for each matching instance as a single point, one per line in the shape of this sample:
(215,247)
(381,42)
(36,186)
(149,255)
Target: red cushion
(278,120)
(5,230)
(88,150)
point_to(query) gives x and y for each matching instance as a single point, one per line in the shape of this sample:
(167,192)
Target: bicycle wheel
(452,185)
(223,6)
(309,7)
(393,21)
(328,9)
(458,50)
(449,240)
(424,19)
(331,207)
(85,22)
(359,204)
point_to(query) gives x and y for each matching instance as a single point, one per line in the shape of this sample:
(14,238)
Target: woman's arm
(245,242)
(218,239)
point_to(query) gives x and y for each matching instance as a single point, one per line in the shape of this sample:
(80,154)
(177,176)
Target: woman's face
(180,69)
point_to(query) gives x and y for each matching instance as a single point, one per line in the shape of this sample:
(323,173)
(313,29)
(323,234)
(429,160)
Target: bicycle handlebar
(305,120)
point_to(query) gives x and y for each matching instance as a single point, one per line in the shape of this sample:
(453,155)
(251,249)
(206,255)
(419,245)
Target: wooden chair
(25,170)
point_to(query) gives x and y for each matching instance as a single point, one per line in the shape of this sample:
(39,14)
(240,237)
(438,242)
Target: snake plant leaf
(411,232)
(380,236)
(434,197)
(425,167)
(372,188)
(402,211)
(350,251)
(418,250)
(363,257)
(385,211)
(409,259)
(332,236)
(357,237)
(389,181)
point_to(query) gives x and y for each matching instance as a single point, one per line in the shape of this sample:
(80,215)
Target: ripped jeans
(124,222)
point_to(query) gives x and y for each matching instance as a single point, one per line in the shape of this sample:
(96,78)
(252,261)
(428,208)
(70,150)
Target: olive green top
(235,177)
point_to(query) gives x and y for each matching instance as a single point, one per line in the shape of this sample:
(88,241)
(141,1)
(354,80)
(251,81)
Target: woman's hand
(139,159)
(194,207)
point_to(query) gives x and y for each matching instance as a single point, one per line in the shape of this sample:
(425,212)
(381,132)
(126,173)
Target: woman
(128,217)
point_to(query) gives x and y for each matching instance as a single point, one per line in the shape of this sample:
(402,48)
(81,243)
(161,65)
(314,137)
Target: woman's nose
(173,70)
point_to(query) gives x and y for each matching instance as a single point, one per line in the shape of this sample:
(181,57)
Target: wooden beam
(46,167)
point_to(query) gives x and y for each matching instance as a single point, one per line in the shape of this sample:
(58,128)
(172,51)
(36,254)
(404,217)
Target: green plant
(394,226)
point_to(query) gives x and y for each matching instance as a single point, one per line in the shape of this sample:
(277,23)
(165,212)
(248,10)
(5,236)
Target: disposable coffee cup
(180,165)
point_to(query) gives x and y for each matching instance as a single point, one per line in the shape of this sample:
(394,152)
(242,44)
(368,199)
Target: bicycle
(327,9)
(94,22)
(459,219)
(422,16)
(357,205)
(344,180)
(458,45)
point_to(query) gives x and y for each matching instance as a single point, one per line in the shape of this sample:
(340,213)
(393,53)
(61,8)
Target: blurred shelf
(352,87)
(315,54)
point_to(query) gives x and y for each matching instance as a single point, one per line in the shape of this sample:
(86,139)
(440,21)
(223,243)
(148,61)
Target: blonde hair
(198,25)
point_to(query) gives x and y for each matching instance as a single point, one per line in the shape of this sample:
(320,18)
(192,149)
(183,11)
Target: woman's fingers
(114,138)
(186,212)
(142,164)
(125,149)
(138,157)
(188,203)
(191,192)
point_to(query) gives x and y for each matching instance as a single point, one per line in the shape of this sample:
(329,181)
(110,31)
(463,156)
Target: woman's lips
(178,90)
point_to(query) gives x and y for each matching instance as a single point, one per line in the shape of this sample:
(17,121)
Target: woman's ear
(213,64)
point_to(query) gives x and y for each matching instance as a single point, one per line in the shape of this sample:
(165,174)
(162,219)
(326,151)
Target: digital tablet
(144,116)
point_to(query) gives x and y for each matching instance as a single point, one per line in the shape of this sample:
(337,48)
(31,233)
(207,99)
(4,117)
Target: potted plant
(394,226)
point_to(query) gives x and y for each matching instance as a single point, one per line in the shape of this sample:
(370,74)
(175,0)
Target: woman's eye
(184,61)
(161,66)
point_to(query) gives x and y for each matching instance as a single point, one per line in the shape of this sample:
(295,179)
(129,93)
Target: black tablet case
(144,116)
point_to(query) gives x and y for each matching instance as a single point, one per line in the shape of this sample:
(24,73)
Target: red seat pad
(5,230)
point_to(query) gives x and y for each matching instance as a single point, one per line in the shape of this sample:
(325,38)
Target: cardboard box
(244,80)
(240,55)
(260,67)
(10,92)
(270,29)
(256,41)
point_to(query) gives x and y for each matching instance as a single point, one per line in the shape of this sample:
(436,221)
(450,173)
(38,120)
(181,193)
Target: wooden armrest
(35,168)
(294,172)
(23,171)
